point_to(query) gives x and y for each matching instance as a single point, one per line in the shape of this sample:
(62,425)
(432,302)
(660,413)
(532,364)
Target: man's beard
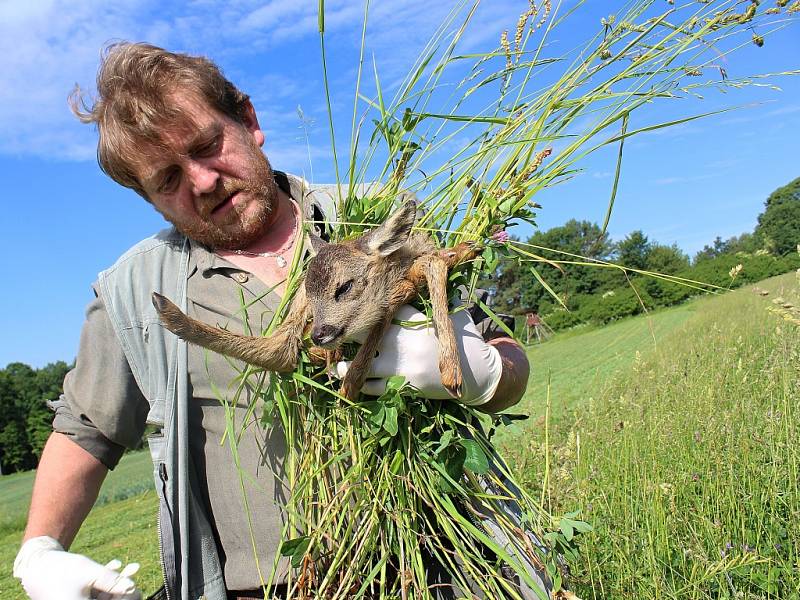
(241,229)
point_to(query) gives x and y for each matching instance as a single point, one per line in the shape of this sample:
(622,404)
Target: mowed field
(673,433)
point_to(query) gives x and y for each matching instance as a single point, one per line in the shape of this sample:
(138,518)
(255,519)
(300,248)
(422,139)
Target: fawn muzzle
(325,335)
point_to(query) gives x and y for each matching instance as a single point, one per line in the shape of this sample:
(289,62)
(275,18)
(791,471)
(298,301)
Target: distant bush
(755,267)
(616,304)
(666,293)
(561,319)
(652,292)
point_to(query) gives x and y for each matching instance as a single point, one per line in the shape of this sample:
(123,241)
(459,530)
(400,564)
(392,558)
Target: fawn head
(348,285)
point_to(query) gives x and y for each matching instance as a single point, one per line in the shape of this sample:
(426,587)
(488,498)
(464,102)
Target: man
(173,129)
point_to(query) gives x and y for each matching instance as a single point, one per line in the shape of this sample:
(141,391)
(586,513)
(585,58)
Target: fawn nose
(325,334)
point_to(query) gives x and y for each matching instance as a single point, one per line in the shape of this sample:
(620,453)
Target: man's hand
(413,352)
(48,572)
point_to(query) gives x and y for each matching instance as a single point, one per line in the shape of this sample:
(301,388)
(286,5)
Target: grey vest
(158,361)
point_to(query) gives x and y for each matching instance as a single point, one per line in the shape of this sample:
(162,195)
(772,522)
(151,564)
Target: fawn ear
(393,233)
(317,243)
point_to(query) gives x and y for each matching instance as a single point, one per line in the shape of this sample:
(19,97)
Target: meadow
(673,433)
(685,460)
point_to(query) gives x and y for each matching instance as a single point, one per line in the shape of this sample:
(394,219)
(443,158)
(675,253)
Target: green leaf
(445,440)
(490,257)
(465,118)
(397,462)
(296,548)
(507,205)
(475,459)
(395,382)
(454,463)
(390,419)
(557,581)
(581,526)
(376,412)
(566,528)
(268,412)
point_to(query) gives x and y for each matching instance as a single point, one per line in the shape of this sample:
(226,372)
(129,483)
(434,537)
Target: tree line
(25,419)
(581,291)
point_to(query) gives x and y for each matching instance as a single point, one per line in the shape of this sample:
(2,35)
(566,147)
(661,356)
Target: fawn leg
(460,253)
(278,352)
(357,373)
(451,256)
(434,269)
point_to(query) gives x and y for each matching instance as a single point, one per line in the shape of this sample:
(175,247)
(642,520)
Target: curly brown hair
(135,83)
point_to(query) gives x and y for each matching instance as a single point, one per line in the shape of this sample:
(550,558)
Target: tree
(25,420)
(633,250)
(519,290)
(747,242)
(779,224)
(666,259)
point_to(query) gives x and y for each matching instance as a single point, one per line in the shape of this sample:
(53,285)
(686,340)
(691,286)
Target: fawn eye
(342,290)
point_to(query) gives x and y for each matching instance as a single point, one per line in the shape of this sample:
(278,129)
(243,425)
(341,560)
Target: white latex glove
(48,572)
(413,352)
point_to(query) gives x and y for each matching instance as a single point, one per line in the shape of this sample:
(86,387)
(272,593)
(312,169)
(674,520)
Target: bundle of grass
(399,496)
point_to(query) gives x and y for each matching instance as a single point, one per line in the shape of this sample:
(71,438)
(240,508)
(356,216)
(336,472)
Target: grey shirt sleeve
(102,408)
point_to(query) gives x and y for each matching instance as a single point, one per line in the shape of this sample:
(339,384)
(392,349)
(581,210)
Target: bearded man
(172,128)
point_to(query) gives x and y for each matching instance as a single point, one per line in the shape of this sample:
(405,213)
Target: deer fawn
(350,288)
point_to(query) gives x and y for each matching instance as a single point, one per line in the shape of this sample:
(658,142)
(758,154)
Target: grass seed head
(506,48)
(535,164)
(523,20)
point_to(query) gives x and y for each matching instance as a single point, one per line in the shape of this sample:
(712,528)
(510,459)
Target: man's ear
(250,121)
(393,233)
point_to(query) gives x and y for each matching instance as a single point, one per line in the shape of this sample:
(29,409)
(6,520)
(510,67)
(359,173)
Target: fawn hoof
(160,302)
(455,392)
(348,392)
(173,318)
(351,386)
(451,379)
(170,315)
(324,357)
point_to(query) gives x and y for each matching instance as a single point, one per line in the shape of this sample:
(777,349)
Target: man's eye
(169,183)
(208,149)
(343,289)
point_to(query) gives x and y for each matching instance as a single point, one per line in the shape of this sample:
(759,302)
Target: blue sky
(65,221)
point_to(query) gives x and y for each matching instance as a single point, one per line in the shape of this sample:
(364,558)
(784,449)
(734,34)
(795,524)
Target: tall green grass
(687,464)
(376,484)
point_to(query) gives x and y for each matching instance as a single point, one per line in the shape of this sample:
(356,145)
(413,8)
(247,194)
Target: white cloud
(49,45)
(46,48)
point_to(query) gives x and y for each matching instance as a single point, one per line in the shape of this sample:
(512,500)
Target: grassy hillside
(122,525)
(673,433)
(685,462)
(579,364)
(132,476)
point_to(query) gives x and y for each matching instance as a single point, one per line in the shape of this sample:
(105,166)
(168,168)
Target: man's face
(213,182)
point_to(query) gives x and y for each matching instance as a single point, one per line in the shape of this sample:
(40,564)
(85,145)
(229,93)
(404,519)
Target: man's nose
(202,177)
